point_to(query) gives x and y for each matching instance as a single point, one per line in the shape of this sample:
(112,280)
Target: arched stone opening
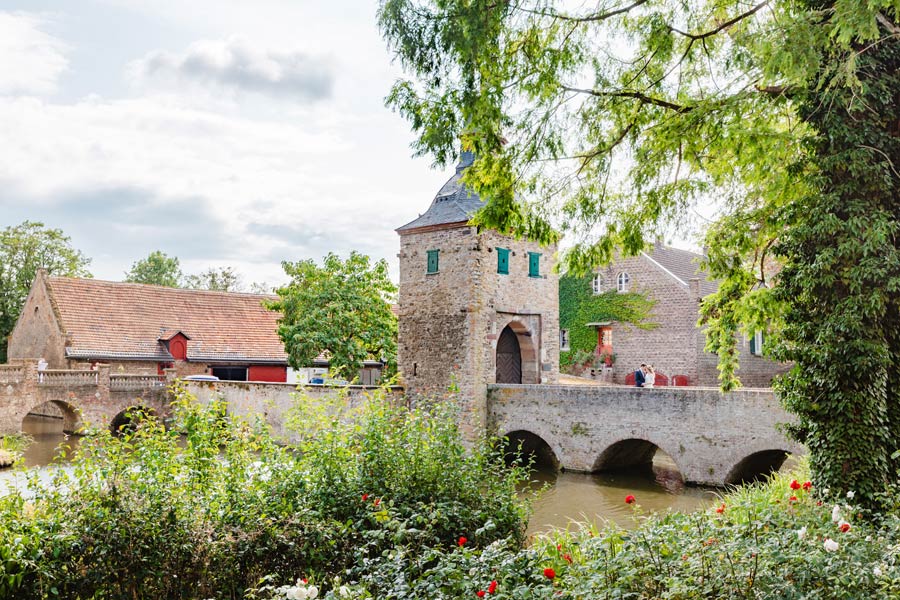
(526,448)
(128,419)
(756,467)
(516,358)
(637,455)
(54,416)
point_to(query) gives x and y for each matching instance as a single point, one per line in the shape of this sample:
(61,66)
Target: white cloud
(30,59)
(236,64)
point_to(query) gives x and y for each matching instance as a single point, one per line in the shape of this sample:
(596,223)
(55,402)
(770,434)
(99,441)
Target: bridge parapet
(709,434)
(10,374)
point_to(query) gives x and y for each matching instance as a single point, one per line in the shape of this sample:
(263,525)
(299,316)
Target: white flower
(802,533)
(831,545)
(344,591)
(877,571)
(868,538)
(826,491)
(836,514)
(850,495)
(312,592)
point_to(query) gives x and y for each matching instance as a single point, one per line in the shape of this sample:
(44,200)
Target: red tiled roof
(106,319)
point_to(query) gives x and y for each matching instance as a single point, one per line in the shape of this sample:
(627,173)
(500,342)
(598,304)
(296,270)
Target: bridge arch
(516,336)
(71,414)
(756,466)
(631,454)
(530,446)
(130,417)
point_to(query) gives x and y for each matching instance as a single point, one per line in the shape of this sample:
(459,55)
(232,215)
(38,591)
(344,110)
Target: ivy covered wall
(578,305)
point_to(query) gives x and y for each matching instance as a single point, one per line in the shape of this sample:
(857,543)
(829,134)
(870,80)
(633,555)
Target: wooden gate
(509,357)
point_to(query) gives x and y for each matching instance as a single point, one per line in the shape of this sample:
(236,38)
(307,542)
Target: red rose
(462,541)
(559,547)
(365,497)
(480,593)
(845,527)
(721,509)
(492,587)
(793,498)
(629,499)
(567,557)
(795,485)
(377,501)
(807,485)
(549,573)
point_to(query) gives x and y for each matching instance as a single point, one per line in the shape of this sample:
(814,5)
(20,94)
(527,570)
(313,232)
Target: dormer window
(622,280)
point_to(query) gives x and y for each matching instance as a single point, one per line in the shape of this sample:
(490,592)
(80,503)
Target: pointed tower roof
(453,204)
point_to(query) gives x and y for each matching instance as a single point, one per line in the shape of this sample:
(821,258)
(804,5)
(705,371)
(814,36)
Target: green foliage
(223,279)
(214,507)
(157,269)
(341,309)
(578,305)
(24,249)
(615,119)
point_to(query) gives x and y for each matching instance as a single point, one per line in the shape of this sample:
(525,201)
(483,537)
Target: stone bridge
(713,438)
(96,398)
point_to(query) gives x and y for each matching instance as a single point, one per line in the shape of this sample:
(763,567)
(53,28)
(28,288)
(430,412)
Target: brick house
(673,278)
(74,323)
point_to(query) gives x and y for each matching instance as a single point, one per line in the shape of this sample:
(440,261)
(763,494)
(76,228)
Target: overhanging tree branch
(722,26)
(632,94)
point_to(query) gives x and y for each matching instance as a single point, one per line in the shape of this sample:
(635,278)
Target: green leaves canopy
(342,309)
(623,119)
(157,269)
(24,249)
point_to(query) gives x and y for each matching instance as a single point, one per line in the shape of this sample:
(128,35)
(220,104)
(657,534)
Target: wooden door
(509,358)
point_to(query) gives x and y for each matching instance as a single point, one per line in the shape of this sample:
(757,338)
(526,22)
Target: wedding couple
(645,376)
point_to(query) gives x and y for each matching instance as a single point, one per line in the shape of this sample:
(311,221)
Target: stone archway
(509,357)
(756,467)
(526,448)
(130,418)
(71,416)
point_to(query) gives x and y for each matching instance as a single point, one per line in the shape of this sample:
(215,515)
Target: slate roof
(683,264)
(454,203)
(105,319)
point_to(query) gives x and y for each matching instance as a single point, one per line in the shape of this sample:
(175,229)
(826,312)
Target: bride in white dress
(649,377)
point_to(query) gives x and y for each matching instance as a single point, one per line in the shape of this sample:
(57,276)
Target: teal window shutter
(432,261)
(503,261)
(534,264)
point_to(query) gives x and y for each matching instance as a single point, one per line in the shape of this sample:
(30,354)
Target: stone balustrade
(65,378)
(11,374)
(125,383)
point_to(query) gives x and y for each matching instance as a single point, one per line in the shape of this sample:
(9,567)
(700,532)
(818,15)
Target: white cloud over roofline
(32,60)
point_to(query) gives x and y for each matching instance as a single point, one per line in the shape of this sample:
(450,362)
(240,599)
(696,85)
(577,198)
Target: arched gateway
(509,357)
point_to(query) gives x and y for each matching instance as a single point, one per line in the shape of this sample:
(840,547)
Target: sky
(223,132)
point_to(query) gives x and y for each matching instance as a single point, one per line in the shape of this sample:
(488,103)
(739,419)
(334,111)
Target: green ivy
(578,305)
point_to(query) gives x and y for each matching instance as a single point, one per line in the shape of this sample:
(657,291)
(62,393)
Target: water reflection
(48,435)
(569,497)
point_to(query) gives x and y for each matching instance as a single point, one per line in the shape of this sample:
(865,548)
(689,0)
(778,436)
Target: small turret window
(597,284)
(503,261)
(534,264)
(432,261)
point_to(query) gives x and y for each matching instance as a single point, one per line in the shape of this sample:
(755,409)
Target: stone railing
(125,383)
(59,377)
(11,374)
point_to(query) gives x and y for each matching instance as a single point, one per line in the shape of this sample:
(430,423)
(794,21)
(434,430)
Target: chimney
(694,285)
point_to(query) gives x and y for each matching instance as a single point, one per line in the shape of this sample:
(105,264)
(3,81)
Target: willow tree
(623,119)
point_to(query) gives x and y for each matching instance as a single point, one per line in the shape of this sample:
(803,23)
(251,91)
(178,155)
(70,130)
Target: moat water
(561,498)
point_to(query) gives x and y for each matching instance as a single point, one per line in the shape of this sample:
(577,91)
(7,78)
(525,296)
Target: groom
(639,376)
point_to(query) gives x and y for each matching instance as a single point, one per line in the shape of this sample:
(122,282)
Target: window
(432,261)
(622,280)
(563,340)
(597,284)
(503,261)
(756,343)
(534,264)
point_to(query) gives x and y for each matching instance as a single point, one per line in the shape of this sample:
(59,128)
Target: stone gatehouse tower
(474,308)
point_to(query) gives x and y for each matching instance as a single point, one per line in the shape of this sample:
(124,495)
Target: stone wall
(449,321)
(37,333)
(707,433)
(273,401)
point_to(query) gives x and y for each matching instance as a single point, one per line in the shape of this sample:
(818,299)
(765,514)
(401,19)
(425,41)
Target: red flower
(365,497)
(480,593)
(567,557)
(721,509)
(793,498)
(559,547)
(492,587)
(807,485)
(549,573)
(304,581)
(845,527)
(461,541)
(629,499)
(795,485)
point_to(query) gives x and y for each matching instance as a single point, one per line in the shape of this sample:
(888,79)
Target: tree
(157,269)
(24,249)
(341,309)
(223,279)
(612,122)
